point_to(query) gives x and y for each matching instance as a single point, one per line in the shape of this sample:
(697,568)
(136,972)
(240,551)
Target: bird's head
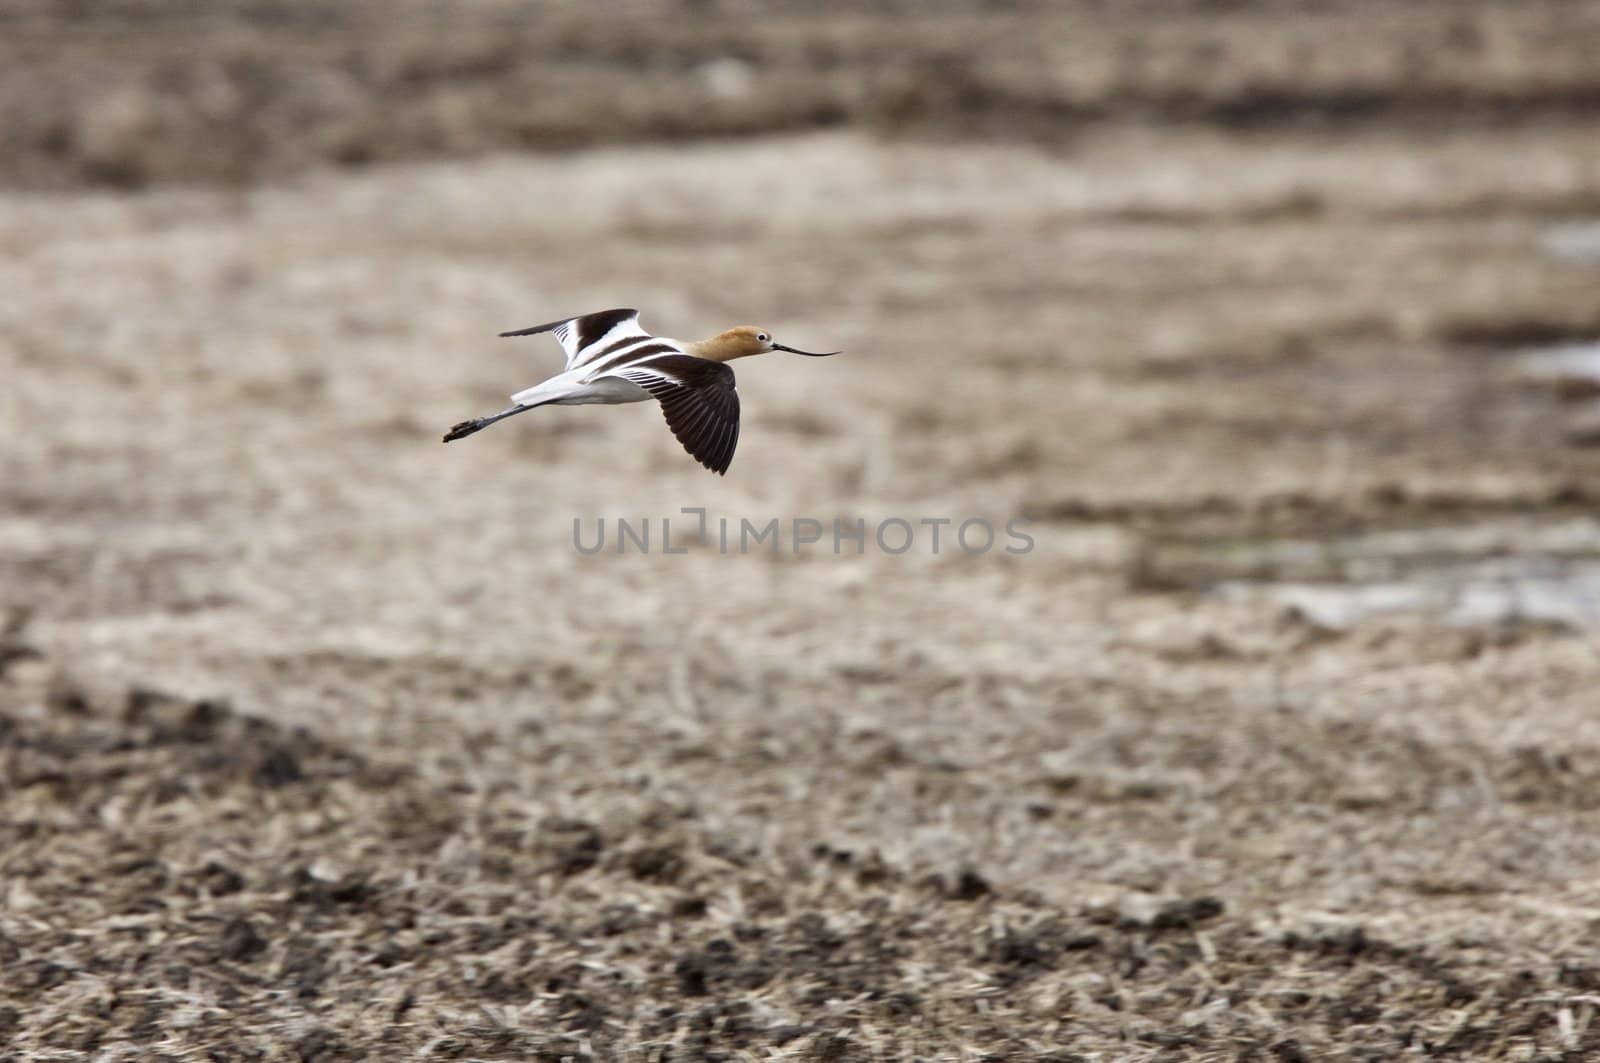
(747,340)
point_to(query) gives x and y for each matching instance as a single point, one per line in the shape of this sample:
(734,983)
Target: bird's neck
(717,349)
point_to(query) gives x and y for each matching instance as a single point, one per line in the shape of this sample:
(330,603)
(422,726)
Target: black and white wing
(700,402)
(589,337)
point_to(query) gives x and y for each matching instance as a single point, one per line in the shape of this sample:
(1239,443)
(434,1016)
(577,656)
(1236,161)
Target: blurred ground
(318,740)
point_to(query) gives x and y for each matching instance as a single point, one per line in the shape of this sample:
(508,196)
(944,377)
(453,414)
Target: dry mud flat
(129,93)
(319,740)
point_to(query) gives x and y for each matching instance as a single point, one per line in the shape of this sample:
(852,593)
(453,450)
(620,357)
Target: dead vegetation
(320,741)
(125,94)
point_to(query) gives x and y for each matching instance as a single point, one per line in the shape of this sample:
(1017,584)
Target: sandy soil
(320,740)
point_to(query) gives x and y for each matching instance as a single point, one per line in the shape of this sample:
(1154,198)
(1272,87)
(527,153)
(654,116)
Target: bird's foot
(464,428)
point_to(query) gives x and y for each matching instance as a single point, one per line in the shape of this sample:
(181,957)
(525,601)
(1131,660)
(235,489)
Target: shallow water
(1485,574)
(1576,241)
(1506,591)
(1566,360)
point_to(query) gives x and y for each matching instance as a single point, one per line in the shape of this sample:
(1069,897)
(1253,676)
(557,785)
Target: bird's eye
(762,337)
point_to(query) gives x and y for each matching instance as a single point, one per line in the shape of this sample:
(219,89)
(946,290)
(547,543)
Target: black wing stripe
(616,345)
(615,356)
(593,327)
(663,363)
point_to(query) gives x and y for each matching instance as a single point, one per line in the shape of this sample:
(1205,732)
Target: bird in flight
(611,359)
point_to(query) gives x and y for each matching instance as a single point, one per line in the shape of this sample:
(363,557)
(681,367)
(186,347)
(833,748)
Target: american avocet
(610,359)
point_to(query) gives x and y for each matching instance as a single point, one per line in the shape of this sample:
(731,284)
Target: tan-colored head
(742,342)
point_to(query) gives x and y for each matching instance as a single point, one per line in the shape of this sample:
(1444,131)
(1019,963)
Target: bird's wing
(586,338)
(700,401)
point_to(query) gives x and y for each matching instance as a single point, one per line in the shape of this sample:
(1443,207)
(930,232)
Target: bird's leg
(466,428)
